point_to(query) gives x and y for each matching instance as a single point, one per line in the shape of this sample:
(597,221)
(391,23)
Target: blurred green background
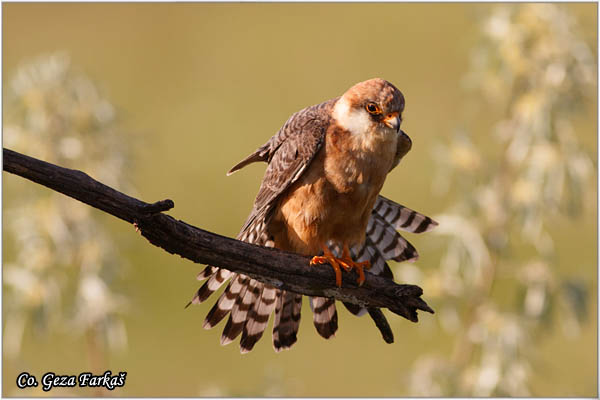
(197,87)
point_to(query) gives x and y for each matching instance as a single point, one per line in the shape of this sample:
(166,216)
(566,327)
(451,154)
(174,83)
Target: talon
(359,266)
(137,228)
(328,258)
(345,262)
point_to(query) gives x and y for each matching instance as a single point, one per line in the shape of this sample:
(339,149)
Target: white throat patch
(355,121)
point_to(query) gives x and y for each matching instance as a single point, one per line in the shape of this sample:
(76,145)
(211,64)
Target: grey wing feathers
(288,153)
(292,150)
(259,155)
(383,243)
(403,147)
(389,243)
(248,302)
(316,116)
(401,217)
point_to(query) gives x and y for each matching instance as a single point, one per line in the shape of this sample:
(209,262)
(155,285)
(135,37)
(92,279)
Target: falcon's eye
(373,108)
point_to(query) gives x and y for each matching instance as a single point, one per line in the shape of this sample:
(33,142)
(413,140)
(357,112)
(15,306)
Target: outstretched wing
(288,153)
(384,243)
(248,302)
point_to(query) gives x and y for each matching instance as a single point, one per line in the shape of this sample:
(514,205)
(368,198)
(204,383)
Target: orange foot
(345,262)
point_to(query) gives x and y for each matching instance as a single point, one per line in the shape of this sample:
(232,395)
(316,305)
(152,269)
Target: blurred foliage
(532,65)
(65,268)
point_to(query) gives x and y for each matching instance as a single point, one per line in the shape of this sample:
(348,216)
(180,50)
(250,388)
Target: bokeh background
(160,100)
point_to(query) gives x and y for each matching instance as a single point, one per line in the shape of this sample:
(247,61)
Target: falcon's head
(370,106)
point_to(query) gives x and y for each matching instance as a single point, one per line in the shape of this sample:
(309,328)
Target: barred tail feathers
(249,303)
(325,316)
(401,217)
(239,312)
(258,318)
(226,301)
(287,320)
(383,243)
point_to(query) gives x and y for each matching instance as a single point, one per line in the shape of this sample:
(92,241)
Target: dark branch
(382,324)
(158,207)
(281,269)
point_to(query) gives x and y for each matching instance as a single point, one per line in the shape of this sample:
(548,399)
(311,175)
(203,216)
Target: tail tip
(207,324)
(225,340)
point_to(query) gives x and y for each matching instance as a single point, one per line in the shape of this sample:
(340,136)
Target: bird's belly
(332,200)
(314,212)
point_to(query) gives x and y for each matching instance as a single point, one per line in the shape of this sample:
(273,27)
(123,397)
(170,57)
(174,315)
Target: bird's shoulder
(288,153)
(309,122)
(302,130)
(292,149)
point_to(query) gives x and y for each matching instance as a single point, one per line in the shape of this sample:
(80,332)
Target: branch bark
(281,269)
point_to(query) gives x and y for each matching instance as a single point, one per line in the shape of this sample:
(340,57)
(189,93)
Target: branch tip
(158,207)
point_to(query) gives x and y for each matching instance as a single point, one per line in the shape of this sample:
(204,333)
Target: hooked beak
(392,121)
